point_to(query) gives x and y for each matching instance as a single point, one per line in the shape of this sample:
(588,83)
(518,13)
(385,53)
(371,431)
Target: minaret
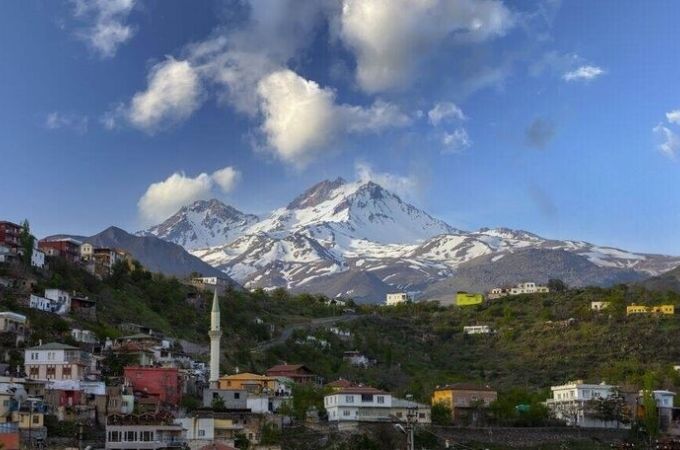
(215,335)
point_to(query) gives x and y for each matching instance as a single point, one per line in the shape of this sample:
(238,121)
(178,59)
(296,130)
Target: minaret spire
(215,335)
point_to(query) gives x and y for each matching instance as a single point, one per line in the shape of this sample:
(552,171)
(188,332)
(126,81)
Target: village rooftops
(464,387)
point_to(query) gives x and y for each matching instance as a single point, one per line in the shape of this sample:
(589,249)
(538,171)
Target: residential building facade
(570,404)
(397,298)
(468,298)
(55,361)
(464,399)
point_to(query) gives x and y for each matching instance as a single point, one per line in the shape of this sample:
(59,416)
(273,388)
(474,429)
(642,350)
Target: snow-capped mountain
(358,239)
(203,224)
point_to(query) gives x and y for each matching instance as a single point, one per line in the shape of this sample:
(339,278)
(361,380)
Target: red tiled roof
(341,384)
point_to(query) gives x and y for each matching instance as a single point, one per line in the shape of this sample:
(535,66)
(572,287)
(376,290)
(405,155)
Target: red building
(296,372)
(9,234)
(164,383)
(68,249)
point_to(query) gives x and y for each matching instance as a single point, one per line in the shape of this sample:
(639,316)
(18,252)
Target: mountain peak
(316,194)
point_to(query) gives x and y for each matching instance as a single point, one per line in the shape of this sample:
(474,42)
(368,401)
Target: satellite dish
(20,394)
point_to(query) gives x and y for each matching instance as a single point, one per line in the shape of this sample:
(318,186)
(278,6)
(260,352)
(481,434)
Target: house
(231,399)
(464,399)
(664,406)
(405,410)
(11,322)
(498,293)
(84,336)
(299,373)
(147,431)
(55,361)
(342,334)
(570,404)
(529,288)
(104,260)
(55,301)
(358,404)
(61,297)
(250,382)
(340,384)
(10,235)
(599,306)
(7,254)
(467,298)
(84,307)
(37,258)
(211,283)
(217,427)
(641,309)
(356,358)
(476,329)
(86,251)
(161,383)
(397,298)
(67,248)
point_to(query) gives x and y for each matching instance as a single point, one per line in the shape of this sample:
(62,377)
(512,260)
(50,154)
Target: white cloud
(107,29)
(583,73)
(673,117)
(56,120)
(164,198)
(226,178)
(445,111)
(406,187)
(172,95)
(456,141)
(669,141)
(301,118)
(389,37)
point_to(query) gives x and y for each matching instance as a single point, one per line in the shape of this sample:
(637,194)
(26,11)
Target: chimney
(39,342)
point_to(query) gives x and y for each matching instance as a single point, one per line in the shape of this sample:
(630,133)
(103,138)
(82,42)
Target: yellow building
(641,309)
(251,382)
(468,298)
(463,398)
(27,419)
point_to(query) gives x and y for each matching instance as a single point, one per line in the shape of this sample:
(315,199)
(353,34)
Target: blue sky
(561,118)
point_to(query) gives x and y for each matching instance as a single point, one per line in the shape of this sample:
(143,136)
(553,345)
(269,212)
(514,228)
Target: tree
(218,404)
(441,414)
(27,242)
(557,285)
(651,416)
(609,409)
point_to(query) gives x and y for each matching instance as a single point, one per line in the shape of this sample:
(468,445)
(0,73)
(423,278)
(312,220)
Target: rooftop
(54,346)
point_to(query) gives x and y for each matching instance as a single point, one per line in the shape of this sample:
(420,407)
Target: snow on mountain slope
(337,229)
(204,223)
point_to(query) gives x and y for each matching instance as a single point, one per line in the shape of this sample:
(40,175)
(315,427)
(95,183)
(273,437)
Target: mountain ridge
(336,229)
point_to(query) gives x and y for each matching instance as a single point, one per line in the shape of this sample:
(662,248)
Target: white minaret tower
(215,335)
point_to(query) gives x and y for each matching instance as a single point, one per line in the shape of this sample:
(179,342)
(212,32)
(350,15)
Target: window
(381,399)
(130,436)
(345,412)
(51,372)
(421,415)
(66,373)
(237,395)
(146,436)
(349,398)
(201,433)
(36,419)
(33,371)
(114,436)
(366,398)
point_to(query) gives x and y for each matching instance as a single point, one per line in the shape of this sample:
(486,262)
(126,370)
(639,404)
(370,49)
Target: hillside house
(528,288)
(299,373)
(477,329)
(641,309)
(10,235)
(37,258)
(14,323)
(599,306)
(468,298)
(464,399)
(358,404)
(148,431)
(55,361)
(397,298)
(163,385)
(569,403)
(66,248)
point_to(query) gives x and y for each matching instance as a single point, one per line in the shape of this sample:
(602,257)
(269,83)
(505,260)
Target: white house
(477,329)
(56,361)
(38,258)
(664,405)
(55,301)
(599,306)
(60,296)
(358,404)
(342,334)
(418,412)
(397,298)
(569,404)
(198,429)
(84,336)
(528,288)
(86,251)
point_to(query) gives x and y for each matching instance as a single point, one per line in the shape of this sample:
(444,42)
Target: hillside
(668,281)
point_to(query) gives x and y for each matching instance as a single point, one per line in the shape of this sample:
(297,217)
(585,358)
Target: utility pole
(410,416)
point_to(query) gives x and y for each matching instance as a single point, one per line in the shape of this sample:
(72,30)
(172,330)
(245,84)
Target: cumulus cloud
(455,141)
(583,73)
(673,117)
(164,198)
(669,141)
(445,111)
(406,187)
(172,95)
(301,118)
(390,37)
(539,133)
(75,122)
(106,29)
(226,178)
